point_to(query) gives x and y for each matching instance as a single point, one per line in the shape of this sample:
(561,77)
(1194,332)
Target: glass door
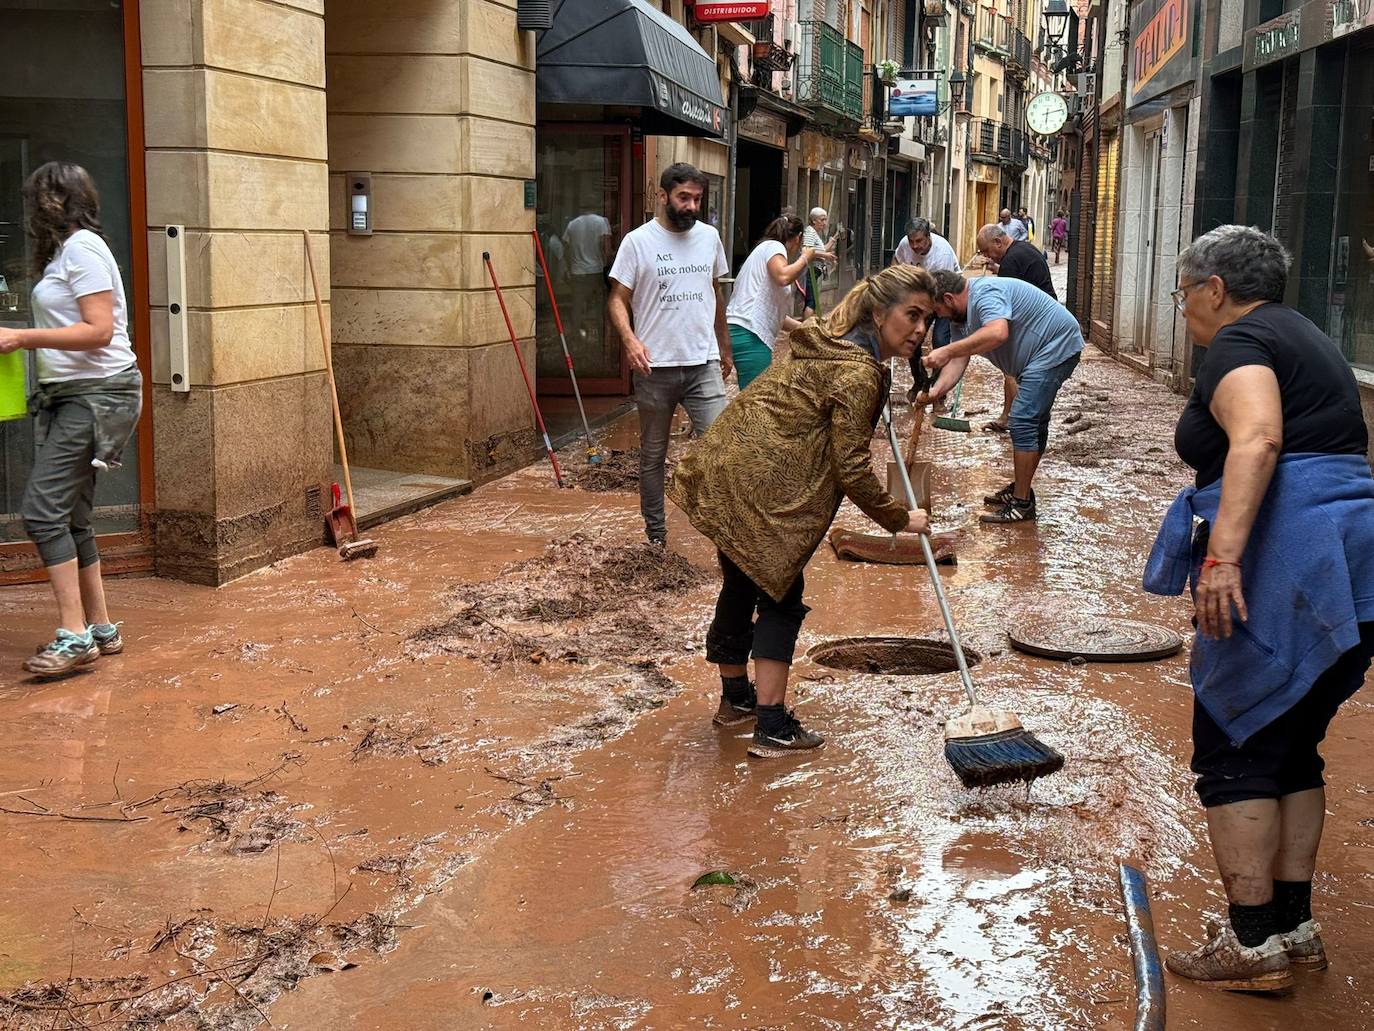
(583,180)
(79,115)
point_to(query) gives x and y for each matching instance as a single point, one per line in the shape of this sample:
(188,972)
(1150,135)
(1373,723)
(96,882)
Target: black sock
(1292,904)
(1253,924)
(772,718)
(737,690)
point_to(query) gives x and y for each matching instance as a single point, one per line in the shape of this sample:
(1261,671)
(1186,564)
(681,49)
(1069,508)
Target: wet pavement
(438,790)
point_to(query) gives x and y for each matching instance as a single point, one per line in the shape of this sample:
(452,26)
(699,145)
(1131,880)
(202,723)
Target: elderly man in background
(1012,259)
(1015,228)
(925,247)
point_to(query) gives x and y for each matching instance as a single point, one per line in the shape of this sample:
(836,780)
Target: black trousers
(1282,758)
(735,634)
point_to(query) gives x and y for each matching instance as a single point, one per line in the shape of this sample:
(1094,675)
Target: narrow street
(471,784)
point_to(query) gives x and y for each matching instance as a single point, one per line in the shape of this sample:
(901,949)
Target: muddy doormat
(904,550)
(583,600)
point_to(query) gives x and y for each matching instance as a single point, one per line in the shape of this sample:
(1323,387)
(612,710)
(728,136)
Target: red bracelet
(1211,563)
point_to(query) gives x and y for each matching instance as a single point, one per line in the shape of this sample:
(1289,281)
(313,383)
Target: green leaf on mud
(713,877)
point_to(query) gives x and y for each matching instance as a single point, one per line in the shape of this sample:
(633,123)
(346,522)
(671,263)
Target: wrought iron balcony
(992,140)
(1019,52)
(990,33)
(830,72)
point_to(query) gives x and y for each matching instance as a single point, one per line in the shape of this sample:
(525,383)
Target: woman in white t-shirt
(87,403)
(762,296)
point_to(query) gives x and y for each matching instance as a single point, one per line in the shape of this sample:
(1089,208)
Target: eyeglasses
(1180,295)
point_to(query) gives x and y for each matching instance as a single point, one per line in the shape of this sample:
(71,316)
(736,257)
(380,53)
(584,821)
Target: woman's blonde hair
(880,292)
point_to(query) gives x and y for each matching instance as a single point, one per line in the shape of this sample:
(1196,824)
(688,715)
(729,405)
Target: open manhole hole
(899,656)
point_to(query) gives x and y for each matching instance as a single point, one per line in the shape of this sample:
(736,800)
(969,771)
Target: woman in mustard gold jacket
(765,481)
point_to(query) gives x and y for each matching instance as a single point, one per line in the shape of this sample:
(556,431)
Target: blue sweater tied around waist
(1308,579)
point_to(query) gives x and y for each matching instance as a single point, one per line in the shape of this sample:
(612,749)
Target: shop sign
(1347,16)
(736,11)
(1163,47)
(1274,40)
(981,173)
(821,152)
(858,159)
(676,100)
(913,98)
(763,127)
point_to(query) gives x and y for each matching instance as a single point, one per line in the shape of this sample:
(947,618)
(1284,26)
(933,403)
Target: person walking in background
(1028,336)
(666,305)
(1282,575)
(759,306)
(1059,234)
(1014,228)
(1012,259)
(1026,220)
(822,250)
(766,480)
(89,397)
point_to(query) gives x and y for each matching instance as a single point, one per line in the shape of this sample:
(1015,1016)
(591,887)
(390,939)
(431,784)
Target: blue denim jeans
(1029,423)
(701,392)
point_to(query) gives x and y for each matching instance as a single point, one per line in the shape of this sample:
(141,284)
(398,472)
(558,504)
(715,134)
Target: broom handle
(930,564)
(329,370)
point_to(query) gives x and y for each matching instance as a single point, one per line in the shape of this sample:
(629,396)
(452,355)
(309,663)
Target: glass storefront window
(1351,311)
(65,99)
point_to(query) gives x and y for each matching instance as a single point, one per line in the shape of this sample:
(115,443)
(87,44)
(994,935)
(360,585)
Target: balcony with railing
(994,141)
(830,73)
(990,32)
(1018,52)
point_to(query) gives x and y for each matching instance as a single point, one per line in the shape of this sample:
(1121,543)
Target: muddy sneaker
(1304,946)
(1014,511)
(793,737)
(1002,497)
(65,653)
(732,714)
(107,637)
(1227,965)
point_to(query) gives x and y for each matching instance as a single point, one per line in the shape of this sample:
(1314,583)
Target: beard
(681,220)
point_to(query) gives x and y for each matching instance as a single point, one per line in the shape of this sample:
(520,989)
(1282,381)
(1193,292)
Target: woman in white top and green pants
(87,404)
(762,296)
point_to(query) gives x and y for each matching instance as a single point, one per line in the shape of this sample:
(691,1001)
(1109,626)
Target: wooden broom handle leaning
(329,371)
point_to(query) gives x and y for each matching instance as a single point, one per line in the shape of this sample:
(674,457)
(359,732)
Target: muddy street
(470,783)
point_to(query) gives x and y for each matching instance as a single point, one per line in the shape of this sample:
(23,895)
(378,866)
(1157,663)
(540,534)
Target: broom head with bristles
(986,747)
(945,422)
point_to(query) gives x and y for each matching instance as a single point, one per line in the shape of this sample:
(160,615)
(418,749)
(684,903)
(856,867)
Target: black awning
(626,53)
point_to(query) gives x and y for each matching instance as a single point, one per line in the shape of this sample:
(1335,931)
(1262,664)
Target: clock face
(1046,113)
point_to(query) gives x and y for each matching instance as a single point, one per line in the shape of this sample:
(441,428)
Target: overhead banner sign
(736,11)
(1163,47)
(680,102)
(913,98)
(1314,24)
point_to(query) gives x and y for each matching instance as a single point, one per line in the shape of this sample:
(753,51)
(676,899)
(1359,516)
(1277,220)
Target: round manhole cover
(899,656)
(1095,638)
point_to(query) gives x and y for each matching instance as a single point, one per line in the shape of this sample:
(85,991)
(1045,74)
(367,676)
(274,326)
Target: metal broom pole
(593,453)
(529,387)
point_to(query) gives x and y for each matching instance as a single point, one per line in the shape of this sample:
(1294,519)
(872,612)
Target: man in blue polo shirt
(1029,336)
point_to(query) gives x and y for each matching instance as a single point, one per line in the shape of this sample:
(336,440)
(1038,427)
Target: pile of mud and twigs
(616,471)
(583,599)
(229,975)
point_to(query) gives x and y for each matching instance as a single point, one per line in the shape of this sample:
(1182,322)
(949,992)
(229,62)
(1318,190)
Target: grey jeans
(58,501)
(701,392)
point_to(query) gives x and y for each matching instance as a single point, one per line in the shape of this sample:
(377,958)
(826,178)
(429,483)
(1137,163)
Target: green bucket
(14,402)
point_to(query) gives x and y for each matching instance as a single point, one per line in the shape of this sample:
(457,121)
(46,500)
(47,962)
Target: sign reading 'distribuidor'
(738,10)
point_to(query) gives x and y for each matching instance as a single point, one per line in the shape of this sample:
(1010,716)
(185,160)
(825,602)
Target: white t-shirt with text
(672,281)
(83,265)
(757,303)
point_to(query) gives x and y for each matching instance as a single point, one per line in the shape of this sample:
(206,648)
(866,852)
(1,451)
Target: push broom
(593,452)
(984,747)
(529,387)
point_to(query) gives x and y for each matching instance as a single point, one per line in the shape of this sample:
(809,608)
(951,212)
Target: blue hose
(1140,927)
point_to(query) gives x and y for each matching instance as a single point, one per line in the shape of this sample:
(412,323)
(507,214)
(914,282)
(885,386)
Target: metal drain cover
(1095,638)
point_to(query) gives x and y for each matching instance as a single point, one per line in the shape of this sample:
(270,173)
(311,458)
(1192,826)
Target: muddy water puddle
(457,837)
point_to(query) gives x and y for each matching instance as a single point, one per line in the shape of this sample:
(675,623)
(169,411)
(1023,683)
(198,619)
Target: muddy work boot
(1014,511)
(64,653)
(1304,946)
(107,638)
(1227,965)
(784,738)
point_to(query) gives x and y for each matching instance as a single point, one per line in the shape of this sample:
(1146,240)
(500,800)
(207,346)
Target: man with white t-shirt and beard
(666,304)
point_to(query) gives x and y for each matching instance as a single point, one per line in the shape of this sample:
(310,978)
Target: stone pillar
(435,98)
(234,109)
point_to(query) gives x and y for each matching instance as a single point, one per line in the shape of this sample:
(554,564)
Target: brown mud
(312,808)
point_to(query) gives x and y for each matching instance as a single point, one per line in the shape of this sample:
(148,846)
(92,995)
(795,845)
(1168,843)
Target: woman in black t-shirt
(1275,416)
